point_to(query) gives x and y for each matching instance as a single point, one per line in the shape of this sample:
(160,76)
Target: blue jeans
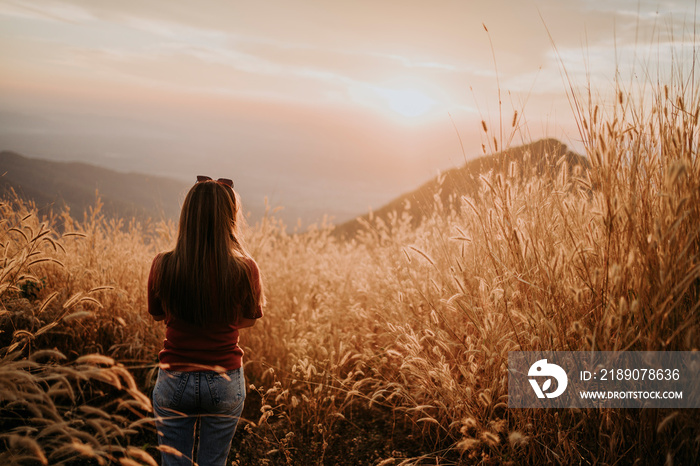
(182,398)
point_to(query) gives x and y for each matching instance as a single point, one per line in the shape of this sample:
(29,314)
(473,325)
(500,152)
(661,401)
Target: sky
(320,107)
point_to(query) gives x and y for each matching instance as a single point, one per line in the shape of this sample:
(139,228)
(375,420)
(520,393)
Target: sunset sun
(407,102)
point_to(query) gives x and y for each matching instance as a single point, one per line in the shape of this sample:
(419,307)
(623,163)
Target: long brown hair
(206,278)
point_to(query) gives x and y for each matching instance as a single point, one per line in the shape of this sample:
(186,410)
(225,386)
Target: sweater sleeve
(256,285)
(155,307)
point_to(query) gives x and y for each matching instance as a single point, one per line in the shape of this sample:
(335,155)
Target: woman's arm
(252,313)
(155,307)
(256,286)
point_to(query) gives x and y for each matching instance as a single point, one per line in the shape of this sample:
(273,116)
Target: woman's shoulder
(161,255)
(158,260)
(250,261)
(252,265)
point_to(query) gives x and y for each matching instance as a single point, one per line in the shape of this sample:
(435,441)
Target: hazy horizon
(323,108)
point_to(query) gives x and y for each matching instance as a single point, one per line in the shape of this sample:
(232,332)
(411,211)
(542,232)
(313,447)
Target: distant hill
(539,156)
(53,185)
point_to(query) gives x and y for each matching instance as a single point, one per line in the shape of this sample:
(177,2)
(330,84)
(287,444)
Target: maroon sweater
(188,347)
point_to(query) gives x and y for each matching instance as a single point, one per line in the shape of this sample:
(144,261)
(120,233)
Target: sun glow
(407,102)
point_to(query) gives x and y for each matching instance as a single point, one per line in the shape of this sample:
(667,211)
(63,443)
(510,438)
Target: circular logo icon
(542,368)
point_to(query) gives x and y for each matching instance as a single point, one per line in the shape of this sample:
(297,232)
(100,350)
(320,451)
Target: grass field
(390,348)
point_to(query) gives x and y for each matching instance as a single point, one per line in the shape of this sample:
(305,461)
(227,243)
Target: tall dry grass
(419,322)
(390,348)
(71,328)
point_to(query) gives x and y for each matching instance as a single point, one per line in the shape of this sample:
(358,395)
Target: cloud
(271,56)
(48,11)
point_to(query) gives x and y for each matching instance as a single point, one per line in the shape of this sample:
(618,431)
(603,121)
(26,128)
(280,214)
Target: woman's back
(189,346)
(206,289)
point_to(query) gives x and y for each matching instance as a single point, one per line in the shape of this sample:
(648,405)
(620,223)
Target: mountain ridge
(465,180)
(53,185)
